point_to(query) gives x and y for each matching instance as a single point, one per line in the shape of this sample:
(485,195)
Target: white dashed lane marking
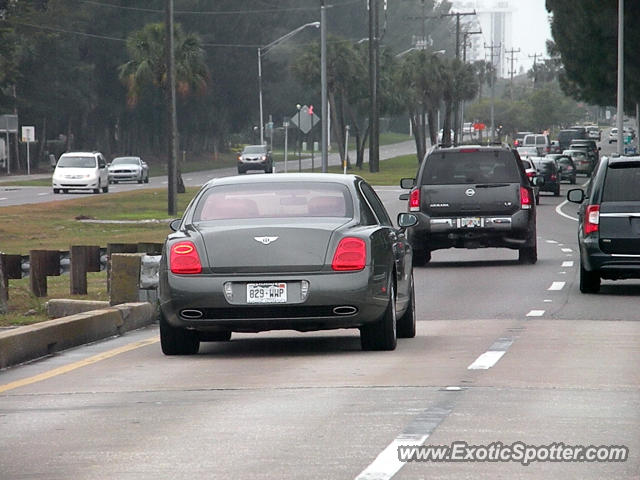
(557,286)
(536,313)
(567,264)
(489,358)
(567,250)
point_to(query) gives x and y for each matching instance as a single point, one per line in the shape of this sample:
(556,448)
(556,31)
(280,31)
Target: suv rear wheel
(529,255)
(589,281)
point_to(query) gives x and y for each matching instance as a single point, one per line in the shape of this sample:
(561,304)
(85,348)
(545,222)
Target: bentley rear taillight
(351,255)
(184,259)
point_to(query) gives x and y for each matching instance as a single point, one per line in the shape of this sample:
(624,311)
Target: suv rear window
(454,168)
(621,184)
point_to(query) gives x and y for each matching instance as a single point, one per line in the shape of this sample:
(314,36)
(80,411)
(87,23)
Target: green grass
(26,309)
(391,170)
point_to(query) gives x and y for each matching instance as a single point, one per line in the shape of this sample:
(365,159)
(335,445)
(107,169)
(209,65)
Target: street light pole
(620,93)
(260,95)
(262,51)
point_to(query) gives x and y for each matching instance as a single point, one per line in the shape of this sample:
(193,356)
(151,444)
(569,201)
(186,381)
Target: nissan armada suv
(472,197)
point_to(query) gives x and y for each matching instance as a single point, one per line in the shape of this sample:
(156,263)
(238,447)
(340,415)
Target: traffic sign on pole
(305,120)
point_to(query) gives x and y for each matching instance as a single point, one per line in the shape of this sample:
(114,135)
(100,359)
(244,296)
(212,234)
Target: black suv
(609,230)
(472,197)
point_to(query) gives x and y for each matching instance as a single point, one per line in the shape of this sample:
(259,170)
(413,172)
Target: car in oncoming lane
(80,171)
(255,157)
(122,169)
(609,223)
(297,252)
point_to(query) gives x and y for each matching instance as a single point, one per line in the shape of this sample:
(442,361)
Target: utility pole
(493,73)
(172,190)
(535,69)
(511,53)
(323,88)
(464,60)
(423,20)
(620,86)
(374,82)
(456,113)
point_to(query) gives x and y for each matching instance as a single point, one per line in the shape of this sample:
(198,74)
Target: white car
(123,169)
(441,134)
(613,135)
(81,171)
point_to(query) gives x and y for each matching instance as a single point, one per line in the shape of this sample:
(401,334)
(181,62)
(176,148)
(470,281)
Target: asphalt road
(504,353)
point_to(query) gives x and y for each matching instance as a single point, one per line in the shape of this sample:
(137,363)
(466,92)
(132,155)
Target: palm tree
(420,79)
(459,81)
(147,65)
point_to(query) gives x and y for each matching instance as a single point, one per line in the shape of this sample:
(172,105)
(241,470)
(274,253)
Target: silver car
(123,169)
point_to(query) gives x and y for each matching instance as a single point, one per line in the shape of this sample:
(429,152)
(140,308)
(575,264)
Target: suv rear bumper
(609,266)
(503,231)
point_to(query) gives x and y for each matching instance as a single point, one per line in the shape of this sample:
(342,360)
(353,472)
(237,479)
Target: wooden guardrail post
(84,258)
(43,263)
(10,269)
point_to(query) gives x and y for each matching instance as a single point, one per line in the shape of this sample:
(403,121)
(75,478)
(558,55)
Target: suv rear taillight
(592,219)
(525,198)
(414,200)
(184,259)
(351,255)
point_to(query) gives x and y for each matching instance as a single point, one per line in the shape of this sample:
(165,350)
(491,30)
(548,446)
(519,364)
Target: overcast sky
(531,30)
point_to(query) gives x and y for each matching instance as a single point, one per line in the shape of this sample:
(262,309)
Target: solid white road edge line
(562,214)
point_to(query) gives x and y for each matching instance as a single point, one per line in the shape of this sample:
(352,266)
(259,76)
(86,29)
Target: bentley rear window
(274,200)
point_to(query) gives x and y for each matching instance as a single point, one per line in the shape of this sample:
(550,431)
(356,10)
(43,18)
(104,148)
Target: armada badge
(470,192)
(265,240)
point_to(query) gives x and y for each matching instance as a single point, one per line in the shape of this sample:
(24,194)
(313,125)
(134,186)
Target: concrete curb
(33,341)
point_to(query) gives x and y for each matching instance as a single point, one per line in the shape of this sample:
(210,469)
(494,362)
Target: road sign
(304,120)
(479,126)
(9,123)
(28,134)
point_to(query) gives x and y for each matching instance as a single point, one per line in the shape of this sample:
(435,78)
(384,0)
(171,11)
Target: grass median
(61,224)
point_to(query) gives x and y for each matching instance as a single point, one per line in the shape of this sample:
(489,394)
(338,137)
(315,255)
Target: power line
(215,12)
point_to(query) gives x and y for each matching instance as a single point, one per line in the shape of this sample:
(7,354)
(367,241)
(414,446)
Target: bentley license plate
(470,222)
(266,292)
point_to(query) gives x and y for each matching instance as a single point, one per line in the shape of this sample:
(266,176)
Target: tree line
(91,74)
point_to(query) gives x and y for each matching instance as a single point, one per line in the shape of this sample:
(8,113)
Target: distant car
(122,169)
(547,169)
(467,128)
(555,147)
(609,223)
(594,133)
(527,152)
(581,160)
(518,138)
(629,131)
(538,140)
(566,136)
(566,168)
(303,252)
(592,147)
(532,172)
(613,135)
(80,171)
(255,157)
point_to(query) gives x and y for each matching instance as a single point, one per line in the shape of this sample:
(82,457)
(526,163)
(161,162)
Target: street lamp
(263,51)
